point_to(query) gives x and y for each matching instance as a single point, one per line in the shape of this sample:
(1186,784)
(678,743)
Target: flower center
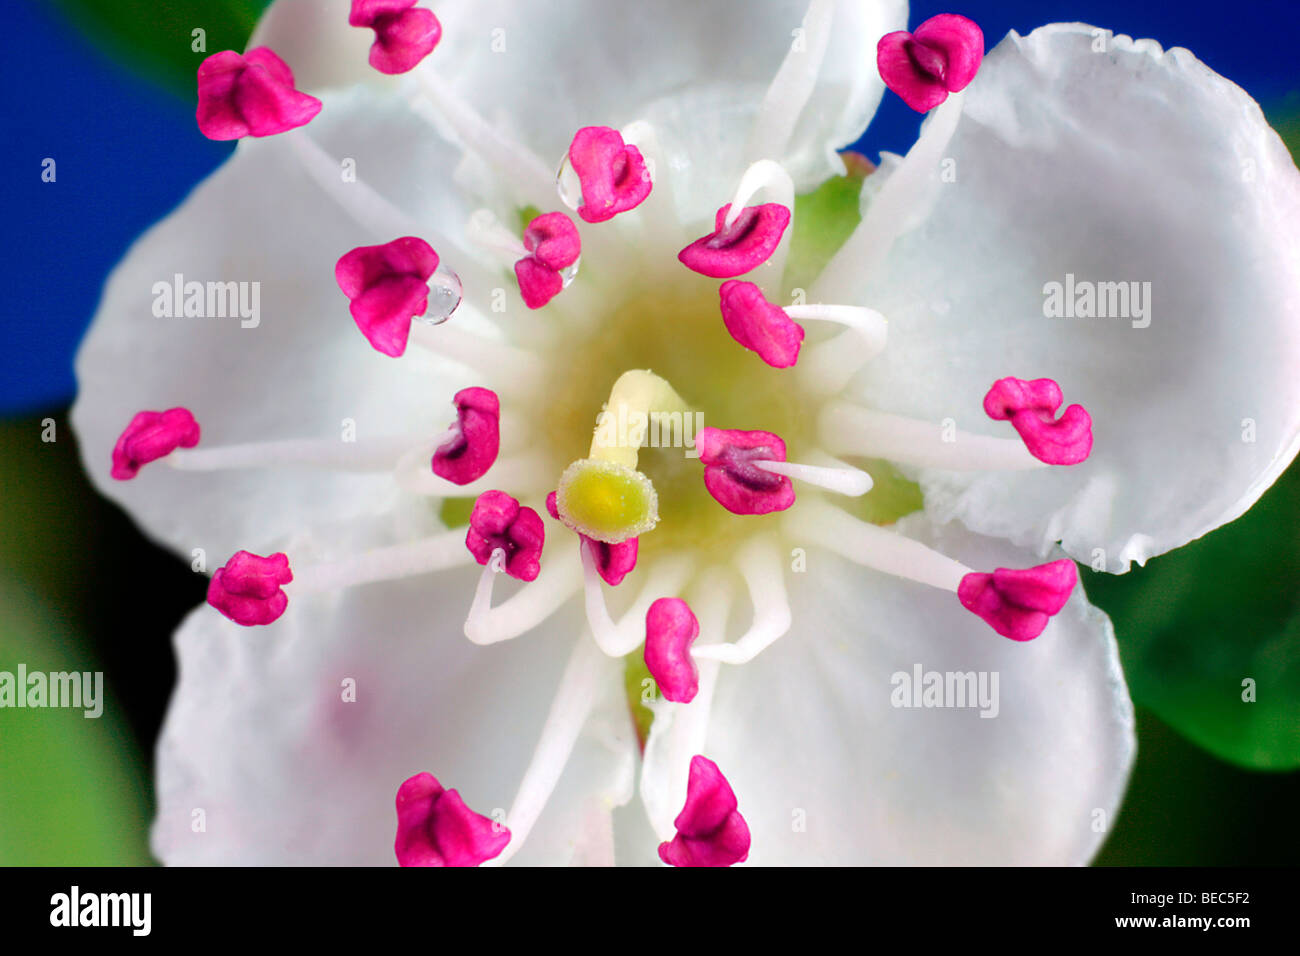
(672,328)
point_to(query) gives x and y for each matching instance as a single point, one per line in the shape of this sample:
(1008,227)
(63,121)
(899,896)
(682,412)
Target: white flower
(1106,163)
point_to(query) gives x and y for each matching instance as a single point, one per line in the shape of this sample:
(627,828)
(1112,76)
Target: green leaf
(158,40)
(823,220)
(1202,627)
(72,787)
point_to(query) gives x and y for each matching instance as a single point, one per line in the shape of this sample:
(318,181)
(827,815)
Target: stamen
(518,371)
(710,829)
(942,56)
(388,286)
(612,174)
(553,248)
(616,640)
(745,237)
(558,581)
(681,730)
(571,707)
(765,174)
(376,454)
(435,828)
(404,33)
(520,168)
(499,523)
(471,449)
(247,588)
(250,95)
(772,332)
(527,473)
(848,429)
(872,546)
(486,231)
(760,562)
(612,562)
(793,84)
(732,475)
(759,325)
(670,630)
(1031,407)
(439,552)
(372,211)
(150,436)
(844,480)
(1018,603)
(603,496)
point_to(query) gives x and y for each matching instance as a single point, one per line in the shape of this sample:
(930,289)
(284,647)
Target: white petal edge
(305,369)
(828,771)
(698,71)
(1135,164)
(259,737)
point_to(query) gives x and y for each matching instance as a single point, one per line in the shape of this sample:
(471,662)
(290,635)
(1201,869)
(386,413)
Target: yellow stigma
(604,496)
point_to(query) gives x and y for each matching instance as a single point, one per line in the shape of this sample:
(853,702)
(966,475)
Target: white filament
(527,473)
(518,167)
(536,601)
(827,367)
(679,731)
(487,232)
(761,565)
(376,454)
(371,210)
(872,546)
(845,428)
(425,556)
(516,370)
(768,176)
(665,579)
(573,703)
(845,480)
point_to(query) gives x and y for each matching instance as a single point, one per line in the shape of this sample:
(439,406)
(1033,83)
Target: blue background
(128,152)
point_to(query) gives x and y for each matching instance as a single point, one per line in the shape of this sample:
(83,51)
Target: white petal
(286,772)
(698,70)
(828,771)
(1128,165)
(299,373)
(314,38)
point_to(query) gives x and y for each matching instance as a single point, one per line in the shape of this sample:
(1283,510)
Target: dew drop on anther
(569,273)
(445,293)
(568,185)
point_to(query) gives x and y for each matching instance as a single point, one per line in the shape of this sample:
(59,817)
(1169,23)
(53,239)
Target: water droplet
(569,273)
(568,185)
(445,293)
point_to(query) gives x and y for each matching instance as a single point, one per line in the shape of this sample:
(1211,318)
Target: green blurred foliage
(823,219)
(157,39)
(73,790)
(1193,625)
